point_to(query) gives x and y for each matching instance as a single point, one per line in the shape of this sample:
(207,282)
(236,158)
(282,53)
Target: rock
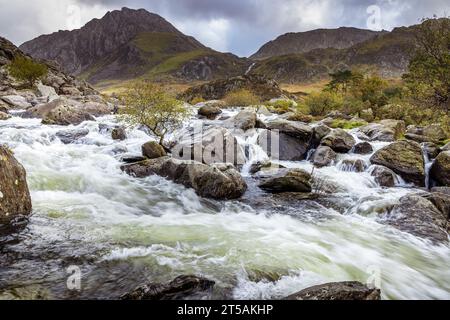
(293,180)
(97,109)
(71,136)
(214,145)
(118,134)
(353,165)
(132,159)
(386,130)
(153,150)
(338,115)
(65,115)
(292,128)
(69,91)
(339,140)
(4,116)
(323,156)
(264,166)
(440,200)
(16,102)
(319,132)
(218,181)
(338,291)
(446,147)
(42,110)
(367,115)
(244,120)
(383,176)
(15,197)
(4,107)
(440,170)
(280,146)
(210,111)
(363,148)
(419,217)
(182,287)
(404,158)
(444,190)
(431,150)
(430,133)
(46,91)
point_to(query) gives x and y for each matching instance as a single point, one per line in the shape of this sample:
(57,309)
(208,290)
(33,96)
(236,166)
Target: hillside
(130,43)
(302,42)
(387,54)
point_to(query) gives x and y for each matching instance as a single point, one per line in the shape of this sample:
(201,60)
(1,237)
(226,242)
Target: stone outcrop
(218,181)
(405,158)
(288,180)
(440,171)
(15,197)
(338,291)
(386,130)
(339,140)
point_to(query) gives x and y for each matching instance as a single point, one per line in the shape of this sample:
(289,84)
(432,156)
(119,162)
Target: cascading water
(122,232)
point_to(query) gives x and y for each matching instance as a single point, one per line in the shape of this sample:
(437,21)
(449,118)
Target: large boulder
(218,181)
(386,130)
(319,132)
(323,156)
(430,133)
(353,165)
(440,171)
(4,116)
(214,145)
(210,111)
(244,120)
(97,108)
(71,136)
(416,215)
(182,287)
(47,92)
(339,140)
(119,133)
(14,194)
(16,102)
(383,176)
(338,291)
(363,148)
(292,128)
(288,180)
(405,158)
(280,146)
(65,115)
(153,150)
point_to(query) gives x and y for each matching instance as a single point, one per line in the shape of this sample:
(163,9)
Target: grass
(154,42)
(305,87)
(347,124)
(174,62)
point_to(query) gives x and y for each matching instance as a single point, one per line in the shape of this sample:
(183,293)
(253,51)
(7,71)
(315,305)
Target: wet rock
(218,181)
(363,148)
(4,116)
(441,201)
(280,146)
(338,291)
(404,158)
(4,107)
(71,136)
(119,134)
(446,147)
(323,156)
(431,150)
(319,132)
(444,190)
(153,150)
(383,176)
(440,171)
(339,140)
(16,101)
(214,145)
(133,159)
(419,217)
(210,111)
(97,109)
(386,130)
(65,115)
(353,165)
(181,288)
(244,120)
(431,133)
(293,129)
(15,197)
(288,180)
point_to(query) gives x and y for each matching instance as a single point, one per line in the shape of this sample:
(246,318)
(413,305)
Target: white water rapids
(122,232)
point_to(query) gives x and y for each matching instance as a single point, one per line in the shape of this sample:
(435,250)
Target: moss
(443,143)
(347,124)
(174,62)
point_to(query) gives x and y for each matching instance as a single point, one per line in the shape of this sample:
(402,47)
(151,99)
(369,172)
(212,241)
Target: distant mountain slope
(302,42)
(130,43)
(387,53)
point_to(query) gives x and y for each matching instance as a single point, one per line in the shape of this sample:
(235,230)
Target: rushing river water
(122,232)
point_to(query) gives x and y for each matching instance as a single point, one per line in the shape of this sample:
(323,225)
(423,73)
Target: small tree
(428,77)
(26,70)
(150,105)
(241,98)
(320,103)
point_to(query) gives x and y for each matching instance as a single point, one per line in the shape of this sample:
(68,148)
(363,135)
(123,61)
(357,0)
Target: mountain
(128,43)
(302,42)
(386,53)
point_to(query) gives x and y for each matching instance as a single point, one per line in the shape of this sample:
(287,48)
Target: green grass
(154,42)
(174,62)
(347,124)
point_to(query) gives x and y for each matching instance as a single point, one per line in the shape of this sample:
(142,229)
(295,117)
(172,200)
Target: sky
(237,26)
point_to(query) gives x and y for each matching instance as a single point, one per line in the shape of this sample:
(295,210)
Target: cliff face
(131,43)
(302,42)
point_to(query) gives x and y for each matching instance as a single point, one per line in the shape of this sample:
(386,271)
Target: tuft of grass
(347,124)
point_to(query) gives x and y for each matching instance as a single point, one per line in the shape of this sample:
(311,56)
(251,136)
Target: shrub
(26,70)
(319,104)
(241,98)
(197,100)
(413,115)
(347,124)
(150,105)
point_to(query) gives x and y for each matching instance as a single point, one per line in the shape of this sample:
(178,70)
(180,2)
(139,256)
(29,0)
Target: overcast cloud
(238,26)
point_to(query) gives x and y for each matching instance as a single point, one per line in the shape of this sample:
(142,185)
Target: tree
(150,105)
(428,77)
(26,70)
(342,80)
(320,103)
